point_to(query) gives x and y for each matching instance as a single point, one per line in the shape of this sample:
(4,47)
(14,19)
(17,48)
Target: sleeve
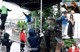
(25,14)
(73,24)
(9,10)
(70,7)
(24,37)
(62,18)
(0,10)
(69,50)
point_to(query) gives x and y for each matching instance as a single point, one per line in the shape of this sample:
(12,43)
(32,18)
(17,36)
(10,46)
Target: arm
(62,18)
(25,14)
(73,23)
(9,10)
(0,10)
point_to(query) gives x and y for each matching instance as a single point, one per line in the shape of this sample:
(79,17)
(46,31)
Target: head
(73,4)
(65,13)
(74,44)
(23,30)
(3,6)
(6,35)
(29,14)
(71,17)
(32,33)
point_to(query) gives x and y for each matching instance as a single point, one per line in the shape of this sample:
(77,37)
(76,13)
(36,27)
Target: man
(34,41)
(4,13)
(64,23)
(6,42)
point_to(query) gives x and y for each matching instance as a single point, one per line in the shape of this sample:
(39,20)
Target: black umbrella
(34,4)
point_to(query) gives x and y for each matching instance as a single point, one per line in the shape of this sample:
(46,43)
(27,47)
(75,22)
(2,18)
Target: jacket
(76,50)
(33,39)
(23,37)
(64,20)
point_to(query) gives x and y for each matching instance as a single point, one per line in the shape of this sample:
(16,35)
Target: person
(65,6)
(73,7)
(60,45)
(28,17)
(64,20)
(71,26)
(49,33)
(74,48)
(22,39)
(4,14)
(34,41)
(6,42)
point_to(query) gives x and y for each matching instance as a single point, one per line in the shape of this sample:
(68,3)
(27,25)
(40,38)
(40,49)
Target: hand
(41,34)
(66,5)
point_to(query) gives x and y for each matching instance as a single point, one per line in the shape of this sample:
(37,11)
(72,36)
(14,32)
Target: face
(65,14)
(72,4)
(24,31)
(71,17)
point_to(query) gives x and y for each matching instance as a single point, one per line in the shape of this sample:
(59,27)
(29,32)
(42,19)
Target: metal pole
(41,16)
(77,29)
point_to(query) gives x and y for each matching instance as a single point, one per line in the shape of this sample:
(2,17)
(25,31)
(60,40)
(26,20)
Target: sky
(16,12)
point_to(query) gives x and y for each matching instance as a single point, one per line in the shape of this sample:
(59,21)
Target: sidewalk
(15,47)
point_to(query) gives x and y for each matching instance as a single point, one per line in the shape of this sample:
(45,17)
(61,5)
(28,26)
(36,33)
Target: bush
(68,42)
(22,23)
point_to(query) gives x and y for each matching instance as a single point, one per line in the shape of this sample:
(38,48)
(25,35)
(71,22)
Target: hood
(6,35)
(32,33)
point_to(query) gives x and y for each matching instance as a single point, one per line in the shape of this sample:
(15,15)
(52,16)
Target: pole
(41,16)
(59,13)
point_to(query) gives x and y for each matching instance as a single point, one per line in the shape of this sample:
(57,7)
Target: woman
(22,39)
(75,8)
(71,26)
(74,48)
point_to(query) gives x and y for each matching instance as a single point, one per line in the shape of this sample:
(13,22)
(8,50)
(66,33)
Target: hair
(74,44)
(71,17)
(74,4)
(65,12)
(22,30)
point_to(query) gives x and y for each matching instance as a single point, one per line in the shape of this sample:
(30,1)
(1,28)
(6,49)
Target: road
(14,35)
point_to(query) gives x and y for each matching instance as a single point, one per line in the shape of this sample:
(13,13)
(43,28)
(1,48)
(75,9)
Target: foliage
(68,42)
(21,23)
(48,12)
(36,14)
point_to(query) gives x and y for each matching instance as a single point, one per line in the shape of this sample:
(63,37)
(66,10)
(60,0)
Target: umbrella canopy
(34,4)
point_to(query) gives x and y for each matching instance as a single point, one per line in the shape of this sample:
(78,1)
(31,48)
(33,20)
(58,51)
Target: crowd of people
(53,31)
(71,23)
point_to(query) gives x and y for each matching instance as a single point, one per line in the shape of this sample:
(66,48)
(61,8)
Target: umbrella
(34,4)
